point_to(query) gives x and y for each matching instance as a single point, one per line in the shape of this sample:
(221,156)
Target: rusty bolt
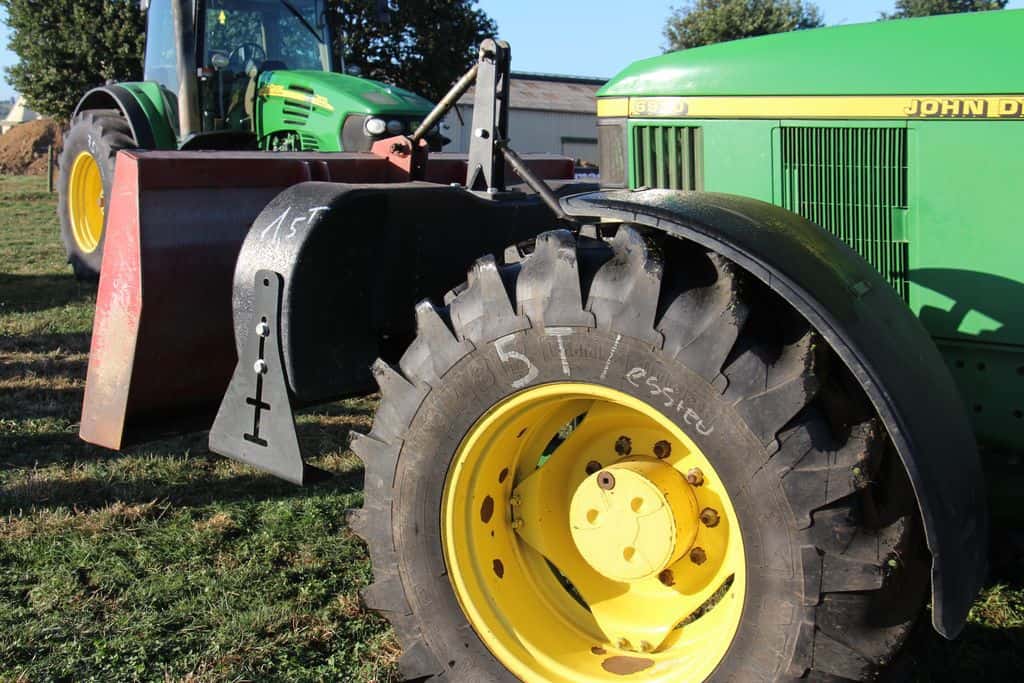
(709,517)
(606,480)
(698,556)
(593,466)
(695,477)
(667,577)
(623,445)
(662,449)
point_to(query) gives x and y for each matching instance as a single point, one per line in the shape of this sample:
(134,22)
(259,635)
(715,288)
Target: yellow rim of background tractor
(85,202)
(587,537)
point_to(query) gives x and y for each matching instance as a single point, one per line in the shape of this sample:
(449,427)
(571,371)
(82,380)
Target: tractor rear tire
(832,573)
(84,185)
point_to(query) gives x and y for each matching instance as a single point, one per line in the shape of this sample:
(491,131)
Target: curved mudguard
(877,337)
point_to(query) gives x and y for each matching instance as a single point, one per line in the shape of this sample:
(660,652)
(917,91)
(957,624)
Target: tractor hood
(343,93)
(949,55)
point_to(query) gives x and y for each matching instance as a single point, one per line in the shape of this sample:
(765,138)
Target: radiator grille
(668,157)
(853,183)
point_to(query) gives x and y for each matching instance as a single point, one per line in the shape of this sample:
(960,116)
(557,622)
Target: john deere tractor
(708,421)
(222,75)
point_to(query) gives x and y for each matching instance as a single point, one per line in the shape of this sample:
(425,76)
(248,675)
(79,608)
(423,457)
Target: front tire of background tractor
(627,458)
(86,177)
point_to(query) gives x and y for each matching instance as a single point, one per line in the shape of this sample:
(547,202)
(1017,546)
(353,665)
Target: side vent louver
(668,157)
(853,183)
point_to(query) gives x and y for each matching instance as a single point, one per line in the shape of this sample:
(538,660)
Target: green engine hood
(953,54)
(351,94)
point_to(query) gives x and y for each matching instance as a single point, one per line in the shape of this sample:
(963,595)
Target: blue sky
(587,37)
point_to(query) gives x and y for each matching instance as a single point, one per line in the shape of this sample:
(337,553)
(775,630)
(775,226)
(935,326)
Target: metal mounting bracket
(255,423)
(486,168)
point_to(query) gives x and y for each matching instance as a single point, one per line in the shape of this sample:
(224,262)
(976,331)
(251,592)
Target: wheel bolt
(623,445)
(606,480)
(593,466)
(662,449)
(709,517)
(698,556)
(624,644)
(517,524)
(645,646)
(695,477)
(667,577)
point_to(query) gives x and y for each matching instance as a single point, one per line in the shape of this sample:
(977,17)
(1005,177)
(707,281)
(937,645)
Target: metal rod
(49,168)
(446,103)
(533,180)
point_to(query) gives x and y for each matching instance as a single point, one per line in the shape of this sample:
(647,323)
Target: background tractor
(223,74)
(672,428)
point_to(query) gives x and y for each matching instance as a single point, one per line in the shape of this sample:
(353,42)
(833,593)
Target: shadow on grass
(30,293)
(92,493)
(71,342)
(979,653)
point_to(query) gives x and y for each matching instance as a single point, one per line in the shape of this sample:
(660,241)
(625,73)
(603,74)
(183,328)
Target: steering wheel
(244,54)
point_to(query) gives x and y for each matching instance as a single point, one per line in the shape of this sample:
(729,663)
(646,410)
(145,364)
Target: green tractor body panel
(902,138)
(158,113)
(320,108)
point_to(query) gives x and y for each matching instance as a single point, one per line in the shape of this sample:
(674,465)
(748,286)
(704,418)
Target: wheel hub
(633,519)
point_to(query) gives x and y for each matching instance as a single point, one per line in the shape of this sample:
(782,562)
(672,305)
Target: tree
(704,22)
(926,8)
(425,47)
(66,47)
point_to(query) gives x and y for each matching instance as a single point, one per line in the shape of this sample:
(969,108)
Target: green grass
(168,563)
(163,562)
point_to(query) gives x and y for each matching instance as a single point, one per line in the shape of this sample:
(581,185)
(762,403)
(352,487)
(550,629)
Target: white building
(548,113)
(19,113)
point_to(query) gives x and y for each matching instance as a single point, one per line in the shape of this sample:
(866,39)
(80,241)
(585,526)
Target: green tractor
(709,421)
(223,75)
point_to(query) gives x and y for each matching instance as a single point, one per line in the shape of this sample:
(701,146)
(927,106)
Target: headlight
(611,142)
(395,127)
(375,126)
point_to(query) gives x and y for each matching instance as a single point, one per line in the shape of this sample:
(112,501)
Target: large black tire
(101,133)
(836,571)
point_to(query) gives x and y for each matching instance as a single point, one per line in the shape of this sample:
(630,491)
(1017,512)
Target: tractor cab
(235,42)
(264,73)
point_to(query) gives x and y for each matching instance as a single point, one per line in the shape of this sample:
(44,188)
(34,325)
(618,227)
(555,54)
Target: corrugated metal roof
(547,92)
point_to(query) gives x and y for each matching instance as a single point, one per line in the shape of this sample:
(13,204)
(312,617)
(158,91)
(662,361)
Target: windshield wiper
(298,15)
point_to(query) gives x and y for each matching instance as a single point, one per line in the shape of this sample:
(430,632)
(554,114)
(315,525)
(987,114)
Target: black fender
(116,97)
(355,259)
(875,335)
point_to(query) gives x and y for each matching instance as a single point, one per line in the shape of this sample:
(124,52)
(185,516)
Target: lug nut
(623,445)
(593,466)
(695,477)
(698,556)
(667,577)
(709,517)
(624,644)
(260,367)
(645,646)
(662,449)
(606,480)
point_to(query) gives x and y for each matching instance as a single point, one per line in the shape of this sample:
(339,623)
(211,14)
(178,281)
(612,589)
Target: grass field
(166,562)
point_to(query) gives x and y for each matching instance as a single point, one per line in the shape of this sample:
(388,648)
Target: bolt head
(593,466)
(698,556)
(260,367)
(623,445)
(263,330)
(662,449)
(709,517)
(482,133)
(695,477)
(606,481)
(667,577)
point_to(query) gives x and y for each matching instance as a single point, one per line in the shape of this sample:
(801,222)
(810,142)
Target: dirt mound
(23,148)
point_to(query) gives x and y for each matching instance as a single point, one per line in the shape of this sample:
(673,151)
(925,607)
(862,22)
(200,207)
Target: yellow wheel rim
(85,202)
(587,537)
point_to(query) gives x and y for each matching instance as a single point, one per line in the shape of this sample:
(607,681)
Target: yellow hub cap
(85,202)
(587,537)
(633,519)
